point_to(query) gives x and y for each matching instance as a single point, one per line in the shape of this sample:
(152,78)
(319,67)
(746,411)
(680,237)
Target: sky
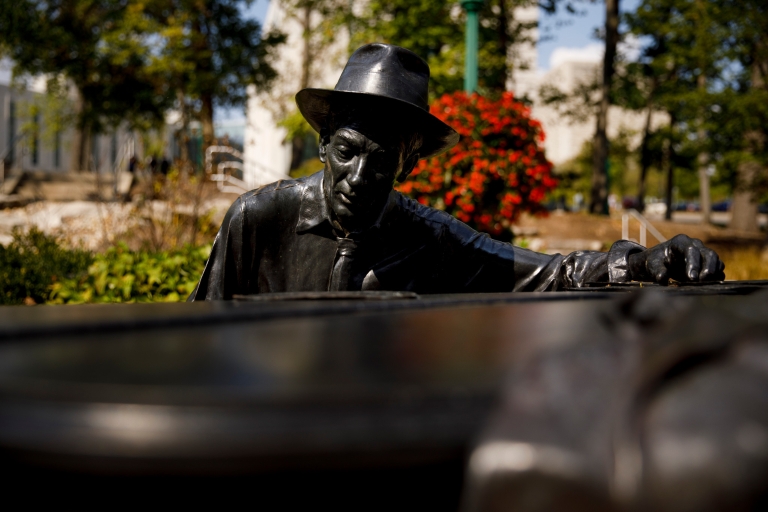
(567,35)
(572,37)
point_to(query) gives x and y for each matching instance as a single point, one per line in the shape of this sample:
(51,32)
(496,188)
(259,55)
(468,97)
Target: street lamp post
(470,59)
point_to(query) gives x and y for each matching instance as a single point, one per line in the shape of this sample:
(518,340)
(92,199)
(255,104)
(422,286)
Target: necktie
(342,268)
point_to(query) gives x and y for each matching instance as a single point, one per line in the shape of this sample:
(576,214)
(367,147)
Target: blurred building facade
(29,140)
(566,135)
(267,152)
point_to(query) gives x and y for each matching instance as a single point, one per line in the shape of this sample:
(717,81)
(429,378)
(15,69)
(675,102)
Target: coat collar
(314,209)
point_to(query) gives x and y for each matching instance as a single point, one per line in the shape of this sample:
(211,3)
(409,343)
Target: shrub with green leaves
(32,262)
(122,275)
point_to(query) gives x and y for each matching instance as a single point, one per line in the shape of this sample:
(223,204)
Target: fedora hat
(385,78)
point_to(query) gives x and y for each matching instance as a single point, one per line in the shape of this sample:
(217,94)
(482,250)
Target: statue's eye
(384,160)
(345,152)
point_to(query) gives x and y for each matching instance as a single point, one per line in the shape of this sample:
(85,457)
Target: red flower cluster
(497,170)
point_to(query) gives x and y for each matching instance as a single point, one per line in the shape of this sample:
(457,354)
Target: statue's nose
(356,178)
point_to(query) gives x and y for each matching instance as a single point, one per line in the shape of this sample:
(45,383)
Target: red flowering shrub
(497,170)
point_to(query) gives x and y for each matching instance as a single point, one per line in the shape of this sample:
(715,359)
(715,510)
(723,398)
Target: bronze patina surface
(345,228)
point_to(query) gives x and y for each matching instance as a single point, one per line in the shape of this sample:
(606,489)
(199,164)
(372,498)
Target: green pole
(472,35)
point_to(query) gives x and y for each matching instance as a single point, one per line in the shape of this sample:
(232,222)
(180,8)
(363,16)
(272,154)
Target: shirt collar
(314,208)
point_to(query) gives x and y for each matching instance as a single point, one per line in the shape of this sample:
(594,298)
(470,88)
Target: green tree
(599,98)
(741,113)
(319,21)
(599,192)
(435,31)
(210,54)
(32,262)
(705,60)
(594,98)
(92,50)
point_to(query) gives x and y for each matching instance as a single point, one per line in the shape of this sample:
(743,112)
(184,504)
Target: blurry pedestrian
(578,201)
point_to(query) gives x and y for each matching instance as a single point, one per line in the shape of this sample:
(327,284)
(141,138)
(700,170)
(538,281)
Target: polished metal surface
(375,382)
(396,398)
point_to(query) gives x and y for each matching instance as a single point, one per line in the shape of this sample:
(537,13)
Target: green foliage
(705,64)
(32,262)
(575,175)
(296,125)
(47,115)
(435,31)
(308,167)
(131,61)
(122,275)
(97,46)
(36,268)
(209,50)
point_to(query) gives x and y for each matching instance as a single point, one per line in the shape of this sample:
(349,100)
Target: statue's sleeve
(487,265)
(542,272)
(223,274)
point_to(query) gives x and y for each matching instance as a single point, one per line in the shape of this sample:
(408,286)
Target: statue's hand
(682,258)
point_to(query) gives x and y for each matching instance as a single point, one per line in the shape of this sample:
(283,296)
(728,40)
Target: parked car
(629,202)
(686,206)
(722,206)
(655,209)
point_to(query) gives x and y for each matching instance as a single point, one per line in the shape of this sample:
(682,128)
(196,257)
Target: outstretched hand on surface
(681,258)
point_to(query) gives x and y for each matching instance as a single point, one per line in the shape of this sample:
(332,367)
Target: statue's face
(361,165)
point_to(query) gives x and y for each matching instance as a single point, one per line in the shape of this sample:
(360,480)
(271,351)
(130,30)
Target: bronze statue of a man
(345,228)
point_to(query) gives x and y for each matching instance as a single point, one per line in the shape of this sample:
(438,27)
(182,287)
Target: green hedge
(122,275)
(36,267)
(32,263)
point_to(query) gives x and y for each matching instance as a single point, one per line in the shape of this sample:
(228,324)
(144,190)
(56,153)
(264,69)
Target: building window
(95,153)
(113,149)
(11,132)
(36,139)
(57,149)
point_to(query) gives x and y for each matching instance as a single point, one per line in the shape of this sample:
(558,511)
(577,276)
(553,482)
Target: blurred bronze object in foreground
(663,408)
(601,399)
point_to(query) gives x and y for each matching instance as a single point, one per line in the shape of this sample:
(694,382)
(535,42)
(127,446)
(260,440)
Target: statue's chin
(351,221)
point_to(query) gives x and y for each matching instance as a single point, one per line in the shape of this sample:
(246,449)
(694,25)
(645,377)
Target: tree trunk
(503,42)
(705,202)
(206,119)
(669,164)
(599,199)
(81,138)
(645,153)
(298,143)
(201,43)
(744,207)
(183,137)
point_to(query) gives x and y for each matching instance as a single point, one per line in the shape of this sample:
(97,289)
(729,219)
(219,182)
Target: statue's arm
(543,272)
(488,265)
(525,270)
(470,261)
(223,274)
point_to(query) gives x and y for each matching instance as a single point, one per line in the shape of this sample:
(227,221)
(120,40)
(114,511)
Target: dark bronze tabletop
(270,392)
